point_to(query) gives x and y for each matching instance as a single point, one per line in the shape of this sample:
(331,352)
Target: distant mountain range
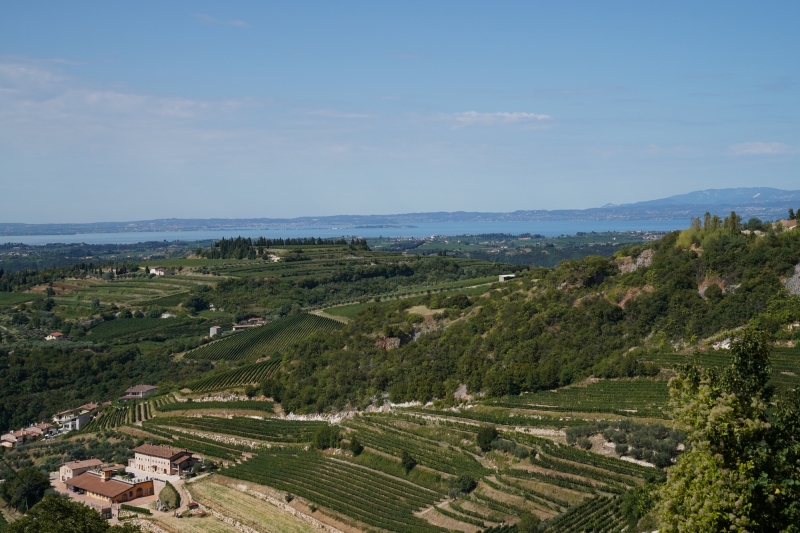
(762,202)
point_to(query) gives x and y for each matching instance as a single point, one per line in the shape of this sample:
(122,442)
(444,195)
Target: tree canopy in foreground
(742,472)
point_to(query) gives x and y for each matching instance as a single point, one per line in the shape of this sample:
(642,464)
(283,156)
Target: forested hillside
(553,327)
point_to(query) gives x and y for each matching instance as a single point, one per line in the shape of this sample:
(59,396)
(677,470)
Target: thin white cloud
(467,118)
(208,19)
(763,148)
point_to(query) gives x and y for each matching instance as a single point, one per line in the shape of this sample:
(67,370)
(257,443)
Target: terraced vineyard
(202,445)
(264,340)
(785,363)
(251,428)
(635,397)
(245,375)
(220,406)
(426,452)
(115,416)
(373,498)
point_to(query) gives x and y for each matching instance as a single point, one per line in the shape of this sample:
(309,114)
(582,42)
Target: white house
(138,392)
(506,277)
(161,271)
(74,419)
(55,336)
(215,330)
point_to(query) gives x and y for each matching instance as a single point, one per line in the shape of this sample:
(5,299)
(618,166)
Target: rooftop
(165,452)
(93,483)
(140,388)
(87,463)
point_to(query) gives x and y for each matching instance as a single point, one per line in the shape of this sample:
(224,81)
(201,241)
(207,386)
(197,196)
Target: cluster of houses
(241,326)
(104,487)
(25,435)
(69,420)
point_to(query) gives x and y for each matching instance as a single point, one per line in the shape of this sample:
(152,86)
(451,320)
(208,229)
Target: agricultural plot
(138,329)
(120,415)
(551,482)
(785,364)
(435,455)
(245,508)
(207,447)
(128,291)
(265,340)
(635,397)
(284,431)
(367,496)
(13,298)
(245,375)
(244,405)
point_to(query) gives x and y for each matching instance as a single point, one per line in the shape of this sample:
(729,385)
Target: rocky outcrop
(792,284)
(628,264)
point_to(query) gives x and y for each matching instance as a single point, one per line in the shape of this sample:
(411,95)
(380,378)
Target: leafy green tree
(355,446)
(741,473)
(486,434)
(326,437)
(528,523)
(24,488)
(407,461)
(60,515)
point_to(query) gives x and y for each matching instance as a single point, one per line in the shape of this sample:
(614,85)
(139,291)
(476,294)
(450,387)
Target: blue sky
(137,110)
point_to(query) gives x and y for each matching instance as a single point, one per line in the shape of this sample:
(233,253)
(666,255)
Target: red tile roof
(89,482)
(140,388)
(88,463)
(164,452)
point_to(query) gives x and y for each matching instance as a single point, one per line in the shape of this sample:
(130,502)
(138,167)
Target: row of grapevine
(596,515)
(119,415)
(637,397)
(600,461)
(394,442)
(375,499)
(206,447)
(250,405)
(264,340)
(502,417)
(246,375)
(252,428)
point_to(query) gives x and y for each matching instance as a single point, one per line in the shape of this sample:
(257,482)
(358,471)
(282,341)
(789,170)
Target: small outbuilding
(214,331)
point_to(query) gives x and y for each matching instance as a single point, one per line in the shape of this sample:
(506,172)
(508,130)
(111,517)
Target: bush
(529,523)
(326,437)
(486,434)
(464,484)
(169,497)
(355,446)
(585,443)
(407,461)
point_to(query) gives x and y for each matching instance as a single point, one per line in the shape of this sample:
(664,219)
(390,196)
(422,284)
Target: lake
(419,230)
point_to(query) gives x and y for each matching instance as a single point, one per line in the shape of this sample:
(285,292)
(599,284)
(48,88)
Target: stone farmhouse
(75,468)
(162,459)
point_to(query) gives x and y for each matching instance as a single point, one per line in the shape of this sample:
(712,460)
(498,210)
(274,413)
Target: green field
(264,340)
(13,298)
(136,329)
